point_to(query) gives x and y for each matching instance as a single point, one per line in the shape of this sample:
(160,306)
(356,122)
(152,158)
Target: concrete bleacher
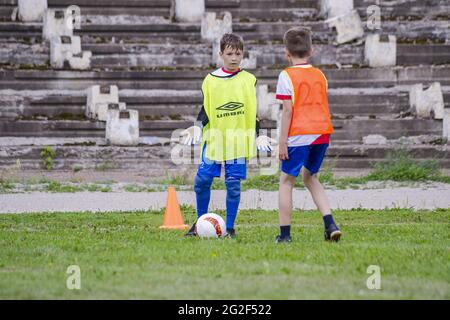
(158,65)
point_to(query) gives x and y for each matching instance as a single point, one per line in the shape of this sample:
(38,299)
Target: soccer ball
(211,225)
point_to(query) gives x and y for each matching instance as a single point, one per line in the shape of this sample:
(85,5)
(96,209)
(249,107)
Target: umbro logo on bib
(231,109)
(231,106)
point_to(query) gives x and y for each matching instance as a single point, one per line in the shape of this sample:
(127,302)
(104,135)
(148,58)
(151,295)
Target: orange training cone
(172,216)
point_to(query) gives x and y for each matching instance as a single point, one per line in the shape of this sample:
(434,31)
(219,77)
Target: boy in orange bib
(305,131)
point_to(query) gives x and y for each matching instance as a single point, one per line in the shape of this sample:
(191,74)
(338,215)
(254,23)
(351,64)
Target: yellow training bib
(230,104)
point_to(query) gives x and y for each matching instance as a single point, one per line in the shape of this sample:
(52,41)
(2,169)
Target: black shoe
(280,239)
(332,233)
(192,231)
(231,233)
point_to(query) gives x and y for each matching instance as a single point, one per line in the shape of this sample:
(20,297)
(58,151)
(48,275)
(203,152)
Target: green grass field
(126,256)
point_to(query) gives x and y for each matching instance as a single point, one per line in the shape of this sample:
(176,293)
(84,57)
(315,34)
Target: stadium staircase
(158,65)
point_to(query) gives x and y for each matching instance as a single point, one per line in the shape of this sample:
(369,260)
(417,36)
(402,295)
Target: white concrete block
(97,95)
(122,127)
(214,27)
(188,10)
(380,51)
(102,109)
(415,104)
(268,105)
(446,125)
(32,10)
(437,98)
(55,24)
(348,27)
(333,8)
(14,14)
(61,46)
(79,61)
(250,62)
(216,59)
(375,139)
(427,102)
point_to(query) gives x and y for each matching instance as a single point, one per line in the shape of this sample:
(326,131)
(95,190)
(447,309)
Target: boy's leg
(290,169)
(206,172)
(233,199)
(317,191)
(235,171)
(202,188)
(286,186)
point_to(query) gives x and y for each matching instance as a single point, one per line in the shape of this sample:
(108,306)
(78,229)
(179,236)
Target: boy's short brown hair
(232,41)
(298,42)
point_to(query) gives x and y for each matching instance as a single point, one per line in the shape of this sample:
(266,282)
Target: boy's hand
(191,135)
(264,143)
(283,151)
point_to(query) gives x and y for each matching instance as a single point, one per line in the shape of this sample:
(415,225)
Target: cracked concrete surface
(411,198)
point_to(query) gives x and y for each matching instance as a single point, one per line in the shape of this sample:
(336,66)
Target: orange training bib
(310,113)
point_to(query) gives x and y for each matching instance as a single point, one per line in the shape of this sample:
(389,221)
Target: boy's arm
(202,117)
(193,134)
(286,116)
(258,127)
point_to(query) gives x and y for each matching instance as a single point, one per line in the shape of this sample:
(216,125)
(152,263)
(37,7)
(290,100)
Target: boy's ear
(286,51)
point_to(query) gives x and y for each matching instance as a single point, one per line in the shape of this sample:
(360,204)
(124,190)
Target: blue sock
(285,231)
(328,220)
(233,199)
(202,188)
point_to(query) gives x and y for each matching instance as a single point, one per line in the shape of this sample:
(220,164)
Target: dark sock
(328,220)
(285,231)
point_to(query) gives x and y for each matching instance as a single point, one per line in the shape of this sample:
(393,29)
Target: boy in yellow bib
(229,126)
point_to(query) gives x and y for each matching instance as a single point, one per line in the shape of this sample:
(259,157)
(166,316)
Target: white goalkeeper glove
(264,143)
(191,135)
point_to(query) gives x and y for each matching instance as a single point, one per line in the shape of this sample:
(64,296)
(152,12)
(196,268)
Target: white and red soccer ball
(211,225)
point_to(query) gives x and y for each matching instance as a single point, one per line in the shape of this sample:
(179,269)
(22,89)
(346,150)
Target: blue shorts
(233,168)
(310,157)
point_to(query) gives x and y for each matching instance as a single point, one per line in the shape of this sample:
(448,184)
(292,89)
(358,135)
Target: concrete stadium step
(411,9)
(105,56)
(67,128)
(288,10)
(115,7)
(171,104)
(56,105)
(436,31)
(258,9)
(392,128)
(356,129)
(284,9)
(406,31)
(367,102)
(352,129)
(135,55)
(102,157)
(191,80)
(245,9)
